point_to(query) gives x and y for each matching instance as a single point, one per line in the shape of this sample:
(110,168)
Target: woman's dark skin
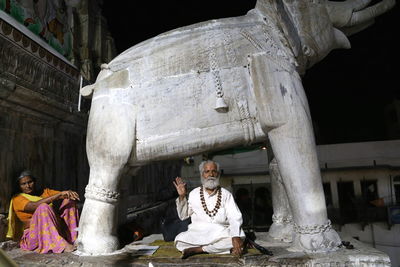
(27,186)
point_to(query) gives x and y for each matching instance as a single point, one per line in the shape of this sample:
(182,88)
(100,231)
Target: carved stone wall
(94,44)
(40,128)
(53,150)
(26,63)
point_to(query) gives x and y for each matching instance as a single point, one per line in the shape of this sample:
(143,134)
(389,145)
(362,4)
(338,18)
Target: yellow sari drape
(15,226)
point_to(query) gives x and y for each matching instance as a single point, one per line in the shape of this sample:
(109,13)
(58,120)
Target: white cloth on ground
(214,234)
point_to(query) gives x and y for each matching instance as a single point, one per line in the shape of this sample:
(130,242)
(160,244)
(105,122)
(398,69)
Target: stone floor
(167,255)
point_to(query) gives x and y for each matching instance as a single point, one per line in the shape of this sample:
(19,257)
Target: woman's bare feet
(70,248)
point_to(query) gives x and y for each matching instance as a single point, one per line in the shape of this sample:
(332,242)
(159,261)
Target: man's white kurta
(214,234)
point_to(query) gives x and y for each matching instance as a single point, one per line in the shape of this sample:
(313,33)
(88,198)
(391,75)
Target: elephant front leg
(282,222)
(97,226)
(294,148)
(110,140)
(285,117)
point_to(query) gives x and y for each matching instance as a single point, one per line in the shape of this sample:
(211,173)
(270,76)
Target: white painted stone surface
(379,236)
(165,98)
(361,255)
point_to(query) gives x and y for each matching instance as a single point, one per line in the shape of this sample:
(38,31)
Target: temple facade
(46,49)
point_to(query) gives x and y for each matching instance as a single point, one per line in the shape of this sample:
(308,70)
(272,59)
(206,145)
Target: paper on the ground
(149,239)
(141,249)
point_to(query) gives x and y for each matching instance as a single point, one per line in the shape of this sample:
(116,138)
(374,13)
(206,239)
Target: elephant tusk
(341,39)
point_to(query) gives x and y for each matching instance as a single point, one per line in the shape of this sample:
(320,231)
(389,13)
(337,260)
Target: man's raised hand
(180,186)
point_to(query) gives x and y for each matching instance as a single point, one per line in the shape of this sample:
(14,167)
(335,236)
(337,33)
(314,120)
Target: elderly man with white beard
(216,219)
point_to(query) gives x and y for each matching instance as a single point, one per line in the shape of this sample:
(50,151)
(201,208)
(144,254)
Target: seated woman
(43,227)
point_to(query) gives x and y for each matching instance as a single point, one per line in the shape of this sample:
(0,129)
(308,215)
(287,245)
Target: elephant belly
(176,115)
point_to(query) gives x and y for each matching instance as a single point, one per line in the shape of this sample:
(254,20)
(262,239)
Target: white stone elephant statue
(211,86)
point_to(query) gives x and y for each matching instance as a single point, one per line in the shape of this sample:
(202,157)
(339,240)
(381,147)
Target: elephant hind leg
(110,140)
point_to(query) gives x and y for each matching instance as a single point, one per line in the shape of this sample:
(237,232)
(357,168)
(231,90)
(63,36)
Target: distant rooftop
(360,154)
(348,155)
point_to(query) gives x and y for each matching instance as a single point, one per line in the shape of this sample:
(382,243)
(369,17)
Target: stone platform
(167,255)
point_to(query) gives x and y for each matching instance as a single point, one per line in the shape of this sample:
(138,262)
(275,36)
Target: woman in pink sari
(44,228)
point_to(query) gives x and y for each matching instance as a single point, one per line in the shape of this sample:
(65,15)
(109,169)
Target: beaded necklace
(213,212)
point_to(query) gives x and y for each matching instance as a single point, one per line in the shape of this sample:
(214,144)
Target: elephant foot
(97,228)
(315,239)
(97,245)
(281,229)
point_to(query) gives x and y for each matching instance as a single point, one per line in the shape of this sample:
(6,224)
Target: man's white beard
(210,182)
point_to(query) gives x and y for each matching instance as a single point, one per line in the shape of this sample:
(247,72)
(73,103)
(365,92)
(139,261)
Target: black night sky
(347,91)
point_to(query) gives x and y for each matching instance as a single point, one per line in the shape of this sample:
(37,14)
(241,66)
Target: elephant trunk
(352,13)
(371,12)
